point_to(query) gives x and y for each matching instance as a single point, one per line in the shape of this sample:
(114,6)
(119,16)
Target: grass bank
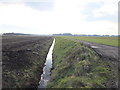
(76,66)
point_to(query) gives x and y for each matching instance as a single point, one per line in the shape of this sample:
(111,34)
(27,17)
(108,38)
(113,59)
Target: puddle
(94,47)
(45,77)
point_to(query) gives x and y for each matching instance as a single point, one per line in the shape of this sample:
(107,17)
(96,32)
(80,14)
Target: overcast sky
(59,16)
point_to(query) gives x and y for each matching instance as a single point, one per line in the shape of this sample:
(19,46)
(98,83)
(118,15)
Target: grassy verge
(76,66)
(113,41)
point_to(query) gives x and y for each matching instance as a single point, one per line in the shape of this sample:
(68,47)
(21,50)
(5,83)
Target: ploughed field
(23,59)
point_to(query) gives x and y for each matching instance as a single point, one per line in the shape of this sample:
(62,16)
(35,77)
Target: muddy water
(45,77)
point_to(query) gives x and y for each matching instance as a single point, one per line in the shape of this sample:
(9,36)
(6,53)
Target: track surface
(105,51)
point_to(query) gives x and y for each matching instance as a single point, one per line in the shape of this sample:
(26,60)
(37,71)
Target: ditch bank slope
(77,66)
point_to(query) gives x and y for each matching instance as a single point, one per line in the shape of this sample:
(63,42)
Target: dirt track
(104,51)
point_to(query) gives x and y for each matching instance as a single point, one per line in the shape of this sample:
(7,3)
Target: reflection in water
(45,77)
(94,47)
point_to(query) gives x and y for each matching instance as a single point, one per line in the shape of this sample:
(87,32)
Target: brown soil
(23,59)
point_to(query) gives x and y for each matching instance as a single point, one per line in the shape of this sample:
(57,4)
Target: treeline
(69,34)
(15,34)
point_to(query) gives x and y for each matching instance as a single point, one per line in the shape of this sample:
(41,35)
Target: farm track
(104,51)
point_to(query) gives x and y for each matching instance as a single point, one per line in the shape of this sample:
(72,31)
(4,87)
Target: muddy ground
(23,59)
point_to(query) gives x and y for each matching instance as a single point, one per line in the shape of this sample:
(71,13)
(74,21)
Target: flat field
(23,59)
(113,41)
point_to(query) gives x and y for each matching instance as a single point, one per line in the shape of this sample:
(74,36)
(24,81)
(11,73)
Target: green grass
(76,66)
(113,41)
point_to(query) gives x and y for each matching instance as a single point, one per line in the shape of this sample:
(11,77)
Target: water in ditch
(45,77)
